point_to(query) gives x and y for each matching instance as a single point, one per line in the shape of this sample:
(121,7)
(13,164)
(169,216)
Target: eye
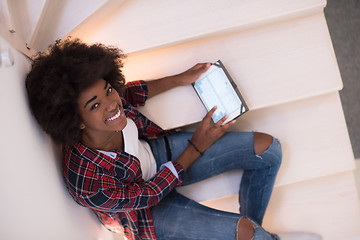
(94,106)
(109,91)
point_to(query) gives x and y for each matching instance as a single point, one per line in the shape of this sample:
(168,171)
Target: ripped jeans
(178,217)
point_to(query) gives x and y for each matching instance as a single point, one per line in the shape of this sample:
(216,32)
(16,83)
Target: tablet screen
(214,88)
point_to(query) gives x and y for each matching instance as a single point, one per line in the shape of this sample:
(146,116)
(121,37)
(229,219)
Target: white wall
(34,202)
(38,23)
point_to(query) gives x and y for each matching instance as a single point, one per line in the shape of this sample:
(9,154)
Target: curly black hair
(58,76)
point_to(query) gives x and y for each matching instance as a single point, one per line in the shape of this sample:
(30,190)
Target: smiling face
(101,110)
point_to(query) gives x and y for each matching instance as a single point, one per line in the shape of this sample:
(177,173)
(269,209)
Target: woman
(125,168)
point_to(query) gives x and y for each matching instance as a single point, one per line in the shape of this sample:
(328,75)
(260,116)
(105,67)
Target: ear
(82,126)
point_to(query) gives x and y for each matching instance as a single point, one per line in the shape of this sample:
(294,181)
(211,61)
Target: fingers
(221,121)
(219,125)
(192,74)
(201,65)
(206,66)
(206,134)
(227,125)
(209,114)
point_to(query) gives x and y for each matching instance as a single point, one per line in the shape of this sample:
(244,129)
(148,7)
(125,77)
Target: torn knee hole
(245,229)
(262,141)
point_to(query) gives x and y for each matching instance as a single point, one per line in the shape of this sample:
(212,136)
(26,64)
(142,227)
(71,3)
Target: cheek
(94,119)
(116,97)
(121,103)
(89,119)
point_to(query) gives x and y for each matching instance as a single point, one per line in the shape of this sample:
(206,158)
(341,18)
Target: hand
(164,84)
(205,134)
(192,74)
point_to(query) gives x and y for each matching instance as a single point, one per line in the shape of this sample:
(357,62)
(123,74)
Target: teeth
(115,116)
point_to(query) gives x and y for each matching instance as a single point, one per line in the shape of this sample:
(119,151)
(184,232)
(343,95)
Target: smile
(117,115)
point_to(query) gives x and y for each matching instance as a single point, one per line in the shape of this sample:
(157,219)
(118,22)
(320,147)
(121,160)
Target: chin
(122,124)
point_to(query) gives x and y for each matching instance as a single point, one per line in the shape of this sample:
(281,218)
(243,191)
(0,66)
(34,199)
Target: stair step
(57,24)
(7,15)
(274,64)
(313,136)
(328,206)
(41,22)
(162,23)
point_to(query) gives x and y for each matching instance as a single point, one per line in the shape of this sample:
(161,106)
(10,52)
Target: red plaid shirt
(114,188)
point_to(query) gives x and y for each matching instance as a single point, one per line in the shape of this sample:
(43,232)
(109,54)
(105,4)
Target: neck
(108,142)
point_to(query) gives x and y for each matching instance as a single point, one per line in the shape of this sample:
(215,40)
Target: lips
(116,116)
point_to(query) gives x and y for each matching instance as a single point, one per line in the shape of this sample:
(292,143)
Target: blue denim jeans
(178,217)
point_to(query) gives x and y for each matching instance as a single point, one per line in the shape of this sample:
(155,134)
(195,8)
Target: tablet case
(244,108)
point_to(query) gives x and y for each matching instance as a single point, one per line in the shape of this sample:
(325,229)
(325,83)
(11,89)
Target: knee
(262,141)
(245,229)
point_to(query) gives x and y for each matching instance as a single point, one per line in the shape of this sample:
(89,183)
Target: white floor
(357,175)
(357,180)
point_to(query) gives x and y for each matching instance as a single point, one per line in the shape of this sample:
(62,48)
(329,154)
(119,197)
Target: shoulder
(92,164)
(135,93)
(80,172)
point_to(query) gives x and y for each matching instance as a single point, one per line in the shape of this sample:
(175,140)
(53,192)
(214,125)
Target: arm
(204,136)
(137,92)
(110,194)
(113,195)
(137,195)
(189,76)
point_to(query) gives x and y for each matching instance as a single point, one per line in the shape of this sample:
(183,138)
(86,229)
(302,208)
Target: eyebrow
(92,99)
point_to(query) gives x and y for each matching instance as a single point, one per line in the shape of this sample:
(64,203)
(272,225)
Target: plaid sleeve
(122,196)
(136,93)
(104,184)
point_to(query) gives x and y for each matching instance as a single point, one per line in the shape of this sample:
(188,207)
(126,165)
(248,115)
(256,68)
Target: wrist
(195,147)
(177,80)
(188,156)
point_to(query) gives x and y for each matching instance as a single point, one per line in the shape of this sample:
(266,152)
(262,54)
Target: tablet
(215,87)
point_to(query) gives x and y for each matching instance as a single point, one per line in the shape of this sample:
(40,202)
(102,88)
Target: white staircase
(32,25)
(281,56)
(280,53)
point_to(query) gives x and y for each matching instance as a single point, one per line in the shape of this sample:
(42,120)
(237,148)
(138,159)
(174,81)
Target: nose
(111,105)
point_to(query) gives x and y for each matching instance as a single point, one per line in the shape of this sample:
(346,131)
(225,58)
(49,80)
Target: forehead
(97,88)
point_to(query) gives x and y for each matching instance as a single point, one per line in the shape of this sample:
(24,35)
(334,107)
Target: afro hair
(58,76)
